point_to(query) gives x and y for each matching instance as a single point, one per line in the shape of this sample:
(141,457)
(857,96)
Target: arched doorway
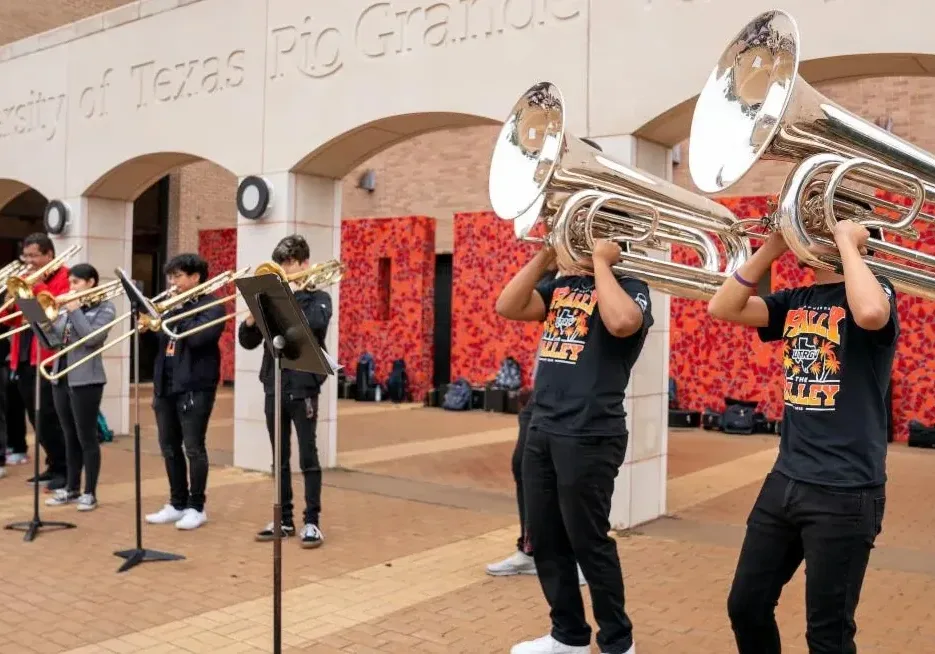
(19,218)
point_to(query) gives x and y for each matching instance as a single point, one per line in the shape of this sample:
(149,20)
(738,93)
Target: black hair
(85,271)
(42,241)
(592,144)
(291,248)
(188,264)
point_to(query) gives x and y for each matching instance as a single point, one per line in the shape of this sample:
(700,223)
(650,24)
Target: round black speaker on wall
(253,197)
(56,217)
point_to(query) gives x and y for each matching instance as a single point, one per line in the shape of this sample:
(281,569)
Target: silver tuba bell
(541,177)
(755,107)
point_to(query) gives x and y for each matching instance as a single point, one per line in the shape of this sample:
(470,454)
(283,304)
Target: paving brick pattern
(402,567)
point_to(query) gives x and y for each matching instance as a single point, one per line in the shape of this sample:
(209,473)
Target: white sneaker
(548,645)
(16,459)
(87,502)
(164,516)
(61,497)
(2,472)
(519,563)
(191,519)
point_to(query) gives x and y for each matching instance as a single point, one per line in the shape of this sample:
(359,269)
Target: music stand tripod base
(34,315)
(137,555)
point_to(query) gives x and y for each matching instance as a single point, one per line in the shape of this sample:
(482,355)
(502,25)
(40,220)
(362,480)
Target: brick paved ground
(407,538)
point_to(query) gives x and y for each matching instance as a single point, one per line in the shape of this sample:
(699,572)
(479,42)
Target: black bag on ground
(509,377)
(711,420)
(366,384)
(738,417)
(458,397)
(397,384)
(921,435)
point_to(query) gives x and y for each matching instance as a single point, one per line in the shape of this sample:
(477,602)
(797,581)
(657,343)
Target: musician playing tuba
(78,394)
(595,327)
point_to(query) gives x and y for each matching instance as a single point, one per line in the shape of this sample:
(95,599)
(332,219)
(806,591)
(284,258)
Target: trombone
(53,306)
(316,276)
(15,267)
(205,288)
(19,287)
(145,323)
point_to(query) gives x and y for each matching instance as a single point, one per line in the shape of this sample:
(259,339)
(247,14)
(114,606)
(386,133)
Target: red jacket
(57,284)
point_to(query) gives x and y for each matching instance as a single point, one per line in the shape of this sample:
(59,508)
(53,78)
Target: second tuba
(542,177)
(755,107)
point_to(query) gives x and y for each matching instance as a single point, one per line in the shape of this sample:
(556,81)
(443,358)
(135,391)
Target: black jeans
(12,415)
(568,482)
(77,410)
(303,413)
(833,530)
(51,437)
(182,421)
(523,543)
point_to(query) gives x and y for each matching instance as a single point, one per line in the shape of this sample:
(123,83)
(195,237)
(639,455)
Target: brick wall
(22,18)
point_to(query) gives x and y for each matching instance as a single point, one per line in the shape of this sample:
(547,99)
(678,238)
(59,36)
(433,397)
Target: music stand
(42,329)
(293,346)
(138,303)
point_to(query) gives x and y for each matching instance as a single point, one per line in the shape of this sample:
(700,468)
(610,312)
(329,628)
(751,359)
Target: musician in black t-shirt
(823,501)
(595,327)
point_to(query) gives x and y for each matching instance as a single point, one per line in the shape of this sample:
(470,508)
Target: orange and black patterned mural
(486,256)
(387,302)
(387,296)
(219,248)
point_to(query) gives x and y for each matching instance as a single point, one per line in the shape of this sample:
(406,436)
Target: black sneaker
(311,537)
(288,529)
(44,478)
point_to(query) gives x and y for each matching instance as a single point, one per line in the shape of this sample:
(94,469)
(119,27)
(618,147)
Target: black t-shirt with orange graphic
(834,425)
(583,369)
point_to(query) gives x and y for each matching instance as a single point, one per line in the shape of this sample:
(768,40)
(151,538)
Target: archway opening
(177,197)
(20,216)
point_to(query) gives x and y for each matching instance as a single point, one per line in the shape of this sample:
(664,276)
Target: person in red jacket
(25,353)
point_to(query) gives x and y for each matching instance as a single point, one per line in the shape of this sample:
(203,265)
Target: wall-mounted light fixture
(254,197)
(56,217)
(368,180)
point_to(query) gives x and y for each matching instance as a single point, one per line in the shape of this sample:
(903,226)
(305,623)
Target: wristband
(743,281)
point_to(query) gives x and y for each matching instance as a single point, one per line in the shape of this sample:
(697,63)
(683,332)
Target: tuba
(543,178)
(755,107)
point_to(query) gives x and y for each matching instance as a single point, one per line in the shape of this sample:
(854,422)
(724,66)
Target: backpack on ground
(104,433)
(509,377)
(397,384)
(738,418)
(458,396)
(365,377)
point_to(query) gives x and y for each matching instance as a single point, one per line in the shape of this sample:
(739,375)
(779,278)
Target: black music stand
(42,329)
(138,303)
(293,346)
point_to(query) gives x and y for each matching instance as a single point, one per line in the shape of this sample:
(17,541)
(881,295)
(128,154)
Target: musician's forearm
(732,296)
(866,299)
(516,295)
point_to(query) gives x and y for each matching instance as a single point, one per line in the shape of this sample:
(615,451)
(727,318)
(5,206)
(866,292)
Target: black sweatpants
(303,413)
(51,437)
(833,531)
(12,415)
(523,543)
(182,421)
(568,483)
(77,410)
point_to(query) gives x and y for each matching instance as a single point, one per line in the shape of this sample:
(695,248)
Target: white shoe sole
(511,573)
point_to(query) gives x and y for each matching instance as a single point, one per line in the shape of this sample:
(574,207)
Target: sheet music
(335,366)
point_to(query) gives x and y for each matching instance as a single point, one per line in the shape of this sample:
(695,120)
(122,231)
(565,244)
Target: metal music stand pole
(33,526)
(138,554)
(293,346)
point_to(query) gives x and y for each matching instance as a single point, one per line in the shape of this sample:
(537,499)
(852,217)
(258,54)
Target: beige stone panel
(648,57)
(367,60)
(33,121)
(172,82)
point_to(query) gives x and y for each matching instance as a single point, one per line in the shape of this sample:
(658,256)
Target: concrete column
(310,206)
(104,230)
(640,491)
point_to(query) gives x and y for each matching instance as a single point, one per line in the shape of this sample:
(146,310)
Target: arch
(128,180)
(10,189)
(339,156)
(674,124)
